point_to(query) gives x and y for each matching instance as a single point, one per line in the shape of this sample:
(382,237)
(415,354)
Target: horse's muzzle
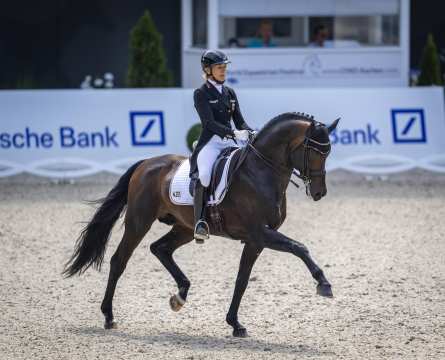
(318,195)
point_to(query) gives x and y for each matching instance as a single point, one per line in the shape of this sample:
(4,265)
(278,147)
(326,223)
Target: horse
(254,208)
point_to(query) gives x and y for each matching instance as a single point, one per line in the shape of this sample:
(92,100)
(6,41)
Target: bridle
(307,173)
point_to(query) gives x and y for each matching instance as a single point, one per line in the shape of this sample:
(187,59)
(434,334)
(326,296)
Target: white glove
(242,135)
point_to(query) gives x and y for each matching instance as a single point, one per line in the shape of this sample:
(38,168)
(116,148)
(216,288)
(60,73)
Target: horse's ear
(333,125)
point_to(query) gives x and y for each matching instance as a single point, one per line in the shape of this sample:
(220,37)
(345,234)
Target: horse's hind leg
(163,249)
(133,235)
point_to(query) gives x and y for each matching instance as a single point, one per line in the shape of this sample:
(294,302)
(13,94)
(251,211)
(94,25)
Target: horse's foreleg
(163,249)
(248,258)
(277,241)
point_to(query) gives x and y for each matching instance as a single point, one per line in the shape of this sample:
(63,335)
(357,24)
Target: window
(199,14)
(375,30)
(259,32)
(326,23)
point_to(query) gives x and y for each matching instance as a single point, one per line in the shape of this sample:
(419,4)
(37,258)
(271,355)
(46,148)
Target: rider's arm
(206,115)
(238,119)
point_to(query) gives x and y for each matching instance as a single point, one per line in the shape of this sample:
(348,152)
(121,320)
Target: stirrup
(199,238)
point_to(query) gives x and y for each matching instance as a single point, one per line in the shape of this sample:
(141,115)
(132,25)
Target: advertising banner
(343,65)
(381,130)
(72,133)
(80,132)
(310,68)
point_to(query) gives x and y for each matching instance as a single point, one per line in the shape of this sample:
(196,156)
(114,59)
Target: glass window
(199,14)
(375,30)
(334,23)
(261,32)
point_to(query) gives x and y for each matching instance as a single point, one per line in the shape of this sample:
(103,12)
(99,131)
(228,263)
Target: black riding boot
(201,227)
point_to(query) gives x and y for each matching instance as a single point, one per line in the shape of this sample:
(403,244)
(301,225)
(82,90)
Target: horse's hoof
(176,302)
(325,290)
(241,332)
(110,325)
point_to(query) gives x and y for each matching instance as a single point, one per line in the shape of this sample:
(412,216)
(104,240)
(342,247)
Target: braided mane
(288,116)
(319,132)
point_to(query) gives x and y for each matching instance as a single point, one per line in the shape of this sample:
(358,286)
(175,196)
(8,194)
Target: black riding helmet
(213,57)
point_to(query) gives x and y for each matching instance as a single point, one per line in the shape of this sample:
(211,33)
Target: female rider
(216,105)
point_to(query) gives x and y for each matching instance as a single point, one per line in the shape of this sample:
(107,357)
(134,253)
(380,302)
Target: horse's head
(309,157)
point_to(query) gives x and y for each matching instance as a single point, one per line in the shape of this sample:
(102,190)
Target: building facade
(57,43)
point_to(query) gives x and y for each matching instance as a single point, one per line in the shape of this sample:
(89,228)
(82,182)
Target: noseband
(310,144)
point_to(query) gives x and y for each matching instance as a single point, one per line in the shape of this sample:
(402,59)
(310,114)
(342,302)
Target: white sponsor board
(308,67)
(80,132)
(317,68)
(73,133)
(381,130)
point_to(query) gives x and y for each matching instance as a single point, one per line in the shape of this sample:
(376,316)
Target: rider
(216,105)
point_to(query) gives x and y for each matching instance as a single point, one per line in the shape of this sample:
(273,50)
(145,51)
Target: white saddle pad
(179,187)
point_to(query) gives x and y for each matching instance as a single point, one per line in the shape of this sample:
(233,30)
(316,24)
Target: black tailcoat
(215,111)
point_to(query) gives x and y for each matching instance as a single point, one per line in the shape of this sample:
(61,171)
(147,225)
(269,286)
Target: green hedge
(193,135)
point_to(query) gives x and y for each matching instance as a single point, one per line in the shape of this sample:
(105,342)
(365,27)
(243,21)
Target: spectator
(320,35)
(263,35)
(233,43)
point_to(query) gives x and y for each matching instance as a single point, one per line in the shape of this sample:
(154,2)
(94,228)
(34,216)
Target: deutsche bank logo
(147,128)
(408,125)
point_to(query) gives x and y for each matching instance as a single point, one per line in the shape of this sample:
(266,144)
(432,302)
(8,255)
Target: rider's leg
(205,161)
(201,232)
(206,158)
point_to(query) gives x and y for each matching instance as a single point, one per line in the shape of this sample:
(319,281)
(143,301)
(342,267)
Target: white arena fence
(72,133)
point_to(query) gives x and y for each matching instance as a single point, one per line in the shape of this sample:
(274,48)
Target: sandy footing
(380,243)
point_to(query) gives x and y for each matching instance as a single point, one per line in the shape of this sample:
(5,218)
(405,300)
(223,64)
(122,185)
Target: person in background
(233,43)
(263,36)
(320,36)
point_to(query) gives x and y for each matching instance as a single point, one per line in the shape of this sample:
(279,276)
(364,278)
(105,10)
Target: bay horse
(254,208)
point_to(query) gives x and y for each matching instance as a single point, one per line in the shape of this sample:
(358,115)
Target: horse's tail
(91,244)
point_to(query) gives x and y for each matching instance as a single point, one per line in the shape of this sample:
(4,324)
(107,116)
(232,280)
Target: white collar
(216,85)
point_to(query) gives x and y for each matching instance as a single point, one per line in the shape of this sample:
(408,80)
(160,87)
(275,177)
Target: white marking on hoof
(176,302)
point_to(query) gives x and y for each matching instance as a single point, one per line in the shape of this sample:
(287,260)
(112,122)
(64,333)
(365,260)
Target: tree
(430,73)
(147,66)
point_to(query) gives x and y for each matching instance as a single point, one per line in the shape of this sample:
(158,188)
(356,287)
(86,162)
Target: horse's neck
(274,158)
(275,146)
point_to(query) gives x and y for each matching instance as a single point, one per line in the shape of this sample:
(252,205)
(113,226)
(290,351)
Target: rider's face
(219,72)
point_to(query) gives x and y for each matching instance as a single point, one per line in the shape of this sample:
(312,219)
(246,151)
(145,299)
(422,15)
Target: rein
(272,166)
(307,173)
(278,169)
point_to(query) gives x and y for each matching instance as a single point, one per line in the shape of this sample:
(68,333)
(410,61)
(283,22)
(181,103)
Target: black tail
(91,244)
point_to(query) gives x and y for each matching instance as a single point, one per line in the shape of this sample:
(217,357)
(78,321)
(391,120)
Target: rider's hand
(242,135)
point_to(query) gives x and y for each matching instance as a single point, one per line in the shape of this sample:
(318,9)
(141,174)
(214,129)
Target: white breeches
(209,153)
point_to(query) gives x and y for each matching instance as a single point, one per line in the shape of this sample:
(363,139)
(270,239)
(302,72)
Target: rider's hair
(205,75)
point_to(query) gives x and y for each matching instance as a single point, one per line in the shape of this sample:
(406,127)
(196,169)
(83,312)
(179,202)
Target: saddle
(217,172)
